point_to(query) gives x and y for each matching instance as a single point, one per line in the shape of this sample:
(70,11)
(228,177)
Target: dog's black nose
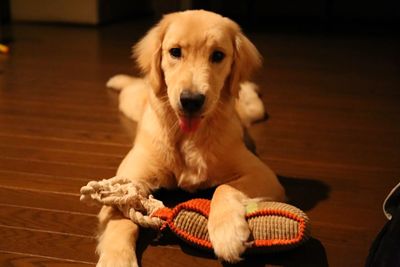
(191,102)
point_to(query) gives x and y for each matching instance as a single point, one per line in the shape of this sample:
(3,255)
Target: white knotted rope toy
(127,196)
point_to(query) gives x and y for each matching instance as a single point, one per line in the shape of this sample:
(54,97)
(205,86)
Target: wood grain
(48,220)
(48,243)
(67,143)
(44,199)
(55,168)
(12,259)
(56,155)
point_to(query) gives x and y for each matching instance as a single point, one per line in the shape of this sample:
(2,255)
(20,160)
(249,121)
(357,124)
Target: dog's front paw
(122,258)
(229,235)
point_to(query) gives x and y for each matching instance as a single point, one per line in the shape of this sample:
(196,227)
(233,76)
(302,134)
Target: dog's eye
(175,52)
(217,56)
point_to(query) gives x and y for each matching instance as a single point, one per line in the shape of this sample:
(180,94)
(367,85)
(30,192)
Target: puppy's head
(192,57)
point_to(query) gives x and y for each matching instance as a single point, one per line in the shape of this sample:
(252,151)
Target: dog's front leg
(117,241)
(227,226)
(118,235)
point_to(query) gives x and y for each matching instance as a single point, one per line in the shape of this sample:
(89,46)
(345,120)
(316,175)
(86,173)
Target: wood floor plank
(84,136)
(55,168)
(311,169)
(174,257)
(68,134)
(93,94)
(12,259)
(14,103)
(49,244)
(340,254)
(46,200)
(48,220)
(67,124)
(66,143)
(52,155)
(29,110)
(38,182)
(104,102)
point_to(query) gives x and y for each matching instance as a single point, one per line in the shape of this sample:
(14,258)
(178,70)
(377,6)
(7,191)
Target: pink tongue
(189,124)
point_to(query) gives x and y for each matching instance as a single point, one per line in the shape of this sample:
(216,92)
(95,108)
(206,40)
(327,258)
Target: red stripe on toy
(164,214)
(198,205)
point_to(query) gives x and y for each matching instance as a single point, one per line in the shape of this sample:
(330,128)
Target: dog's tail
(133,96)
(120,81)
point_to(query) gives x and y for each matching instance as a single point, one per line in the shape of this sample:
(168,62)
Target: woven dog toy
(274,226)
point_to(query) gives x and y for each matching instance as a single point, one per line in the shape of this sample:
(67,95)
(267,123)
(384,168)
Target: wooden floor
(333,136)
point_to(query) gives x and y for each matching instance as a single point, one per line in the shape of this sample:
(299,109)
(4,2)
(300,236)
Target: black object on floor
(385,250)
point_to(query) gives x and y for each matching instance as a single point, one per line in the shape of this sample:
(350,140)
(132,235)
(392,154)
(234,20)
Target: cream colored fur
(213,155)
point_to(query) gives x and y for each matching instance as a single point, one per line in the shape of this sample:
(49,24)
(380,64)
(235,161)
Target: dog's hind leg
(249,106)
(133,96)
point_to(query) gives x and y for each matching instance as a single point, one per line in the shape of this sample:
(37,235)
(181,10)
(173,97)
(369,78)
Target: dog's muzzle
(191,102)
(191,105)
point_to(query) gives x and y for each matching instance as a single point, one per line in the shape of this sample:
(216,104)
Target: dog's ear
(147,53)
(246,59)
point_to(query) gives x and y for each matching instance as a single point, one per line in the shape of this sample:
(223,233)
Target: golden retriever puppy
(189,132)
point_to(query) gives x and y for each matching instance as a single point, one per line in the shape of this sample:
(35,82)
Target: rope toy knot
(128,196)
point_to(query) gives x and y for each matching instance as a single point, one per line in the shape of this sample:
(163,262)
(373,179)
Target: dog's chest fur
(196,163)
